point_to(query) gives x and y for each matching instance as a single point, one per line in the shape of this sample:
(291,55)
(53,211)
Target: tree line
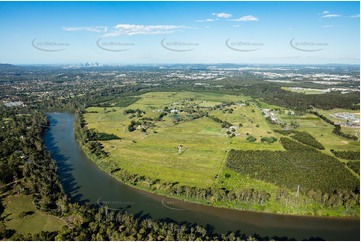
(274,94)
(303,137)
(337,128)
(224,124)
(25,166)
(299,165)
(347,154)
(355,166)
(94,135)
(210,194)
(103,224)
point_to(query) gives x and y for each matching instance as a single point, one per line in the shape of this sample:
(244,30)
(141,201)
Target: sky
(180,32)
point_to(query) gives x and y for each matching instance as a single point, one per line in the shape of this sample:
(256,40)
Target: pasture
(207,126)
(21,214)
(205,143)
(322,131)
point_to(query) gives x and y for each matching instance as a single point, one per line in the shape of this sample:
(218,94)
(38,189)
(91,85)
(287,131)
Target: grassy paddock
(205,143)
(322,131)
(33,222)
(201,163)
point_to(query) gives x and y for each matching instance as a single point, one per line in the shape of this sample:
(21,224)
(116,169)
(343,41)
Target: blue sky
(179,32)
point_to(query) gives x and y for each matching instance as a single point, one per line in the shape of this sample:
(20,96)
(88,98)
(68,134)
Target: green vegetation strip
(298,166)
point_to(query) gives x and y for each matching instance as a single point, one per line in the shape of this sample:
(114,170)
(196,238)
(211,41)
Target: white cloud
(132,29)
(245,19)
(222,15)
(205,20)
(330,15)
(355,16)
(97,29)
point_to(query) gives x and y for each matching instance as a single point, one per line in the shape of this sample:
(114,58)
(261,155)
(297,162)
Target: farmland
(175,140)
(321,130)
(205,143)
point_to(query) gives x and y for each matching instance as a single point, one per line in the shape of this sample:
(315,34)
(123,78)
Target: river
(84,181)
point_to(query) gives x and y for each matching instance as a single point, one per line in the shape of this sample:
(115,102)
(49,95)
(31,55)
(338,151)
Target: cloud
(330,15)
(222,15)
(97,29)
(205,20)
(245,19)
(132,29)
(355,16)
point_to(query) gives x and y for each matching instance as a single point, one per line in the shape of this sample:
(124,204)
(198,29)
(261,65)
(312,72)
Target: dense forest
(274,94)
(25,166)
(303,137)
(355,166)
(301,166)
(348,155)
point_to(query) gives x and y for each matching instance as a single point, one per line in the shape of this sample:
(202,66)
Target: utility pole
(298,190)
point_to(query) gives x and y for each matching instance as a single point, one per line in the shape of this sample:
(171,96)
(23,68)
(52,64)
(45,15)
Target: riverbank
(185,154)
(85,182)
(300,206)
(313,210)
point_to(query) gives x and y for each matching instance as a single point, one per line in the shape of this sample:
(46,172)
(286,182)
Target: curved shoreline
(353,218)
(89,181)
(178,198)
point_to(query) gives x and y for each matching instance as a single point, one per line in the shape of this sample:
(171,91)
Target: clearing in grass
(21,214)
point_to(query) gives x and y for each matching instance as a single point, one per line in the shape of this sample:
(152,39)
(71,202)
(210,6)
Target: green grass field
(349,130)
(201,162)
(322,131)
(205,142)
(34,222)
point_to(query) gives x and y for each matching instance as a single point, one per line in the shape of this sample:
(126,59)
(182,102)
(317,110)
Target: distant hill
(8,67)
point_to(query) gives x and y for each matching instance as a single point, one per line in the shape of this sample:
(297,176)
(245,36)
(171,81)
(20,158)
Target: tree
(251,138)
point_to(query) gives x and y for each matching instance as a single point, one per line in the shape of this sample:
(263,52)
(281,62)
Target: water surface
(83,181)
